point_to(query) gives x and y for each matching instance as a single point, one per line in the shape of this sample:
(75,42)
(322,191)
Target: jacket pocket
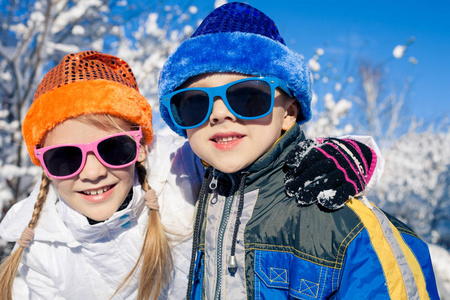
(280,275)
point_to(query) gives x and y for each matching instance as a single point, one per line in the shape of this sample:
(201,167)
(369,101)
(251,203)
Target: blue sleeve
(422,254)
(362,273)
(363,276)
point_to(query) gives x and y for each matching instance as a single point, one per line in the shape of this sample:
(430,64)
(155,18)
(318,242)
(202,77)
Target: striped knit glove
(328,171)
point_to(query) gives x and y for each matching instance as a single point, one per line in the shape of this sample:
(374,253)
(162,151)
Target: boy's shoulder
(352,218)
(307,232)
(339,226)
(302,230)
(401,227)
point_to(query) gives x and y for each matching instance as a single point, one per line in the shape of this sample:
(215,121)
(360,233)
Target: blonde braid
(155,254)
(42,196)
(8,268)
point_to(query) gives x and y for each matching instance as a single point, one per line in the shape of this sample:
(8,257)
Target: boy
(238,92)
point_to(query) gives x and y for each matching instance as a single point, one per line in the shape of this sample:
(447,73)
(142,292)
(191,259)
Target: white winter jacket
(70,259)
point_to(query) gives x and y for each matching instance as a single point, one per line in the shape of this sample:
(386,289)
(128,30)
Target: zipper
(213,183)
(221,234)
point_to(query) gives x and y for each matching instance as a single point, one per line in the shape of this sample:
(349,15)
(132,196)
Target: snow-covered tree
(416,183)
(359,98)
(36,35)
(330,106)
(154,39)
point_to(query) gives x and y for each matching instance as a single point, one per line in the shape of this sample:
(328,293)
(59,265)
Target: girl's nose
(93,169)
(220,112)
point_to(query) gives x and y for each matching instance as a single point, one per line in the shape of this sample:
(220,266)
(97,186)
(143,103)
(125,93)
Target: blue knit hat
(241,39)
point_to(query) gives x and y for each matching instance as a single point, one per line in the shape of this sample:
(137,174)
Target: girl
(88,128)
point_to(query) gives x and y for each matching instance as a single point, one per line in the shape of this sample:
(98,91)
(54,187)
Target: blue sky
(375,28)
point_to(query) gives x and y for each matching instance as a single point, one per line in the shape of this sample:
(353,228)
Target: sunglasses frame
(220,91)
(85,148)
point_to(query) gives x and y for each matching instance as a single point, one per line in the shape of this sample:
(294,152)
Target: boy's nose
(93,169)
(220,112)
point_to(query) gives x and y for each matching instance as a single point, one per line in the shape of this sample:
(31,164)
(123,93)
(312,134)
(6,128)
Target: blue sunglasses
(248,99)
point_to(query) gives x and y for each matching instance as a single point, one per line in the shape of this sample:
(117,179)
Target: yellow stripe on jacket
(395,279)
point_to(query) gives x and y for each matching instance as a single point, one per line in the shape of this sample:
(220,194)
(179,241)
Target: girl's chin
(100,217)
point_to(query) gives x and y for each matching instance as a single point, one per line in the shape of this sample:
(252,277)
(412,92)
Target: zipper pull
(213,183)
(232,264)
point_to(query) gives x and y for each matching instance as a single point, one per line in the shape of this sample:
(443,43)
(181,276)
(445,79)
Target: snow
(67,48)
(413,60)
(337,86)
(414,188)
(188,30)
(342,107)
(78,30)
(218,3)
(441,265)
(327,194)
(74,13)
(314,65)
(193,9)
(398,51)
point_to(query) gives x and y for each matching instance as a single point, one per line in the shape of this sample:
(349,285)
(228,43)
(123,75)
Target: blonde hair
(155,254)
(155,257)
(8,268)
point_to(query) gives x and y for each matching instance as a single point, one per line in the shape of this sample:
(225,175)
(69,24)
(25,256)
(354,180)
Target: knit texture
(328,171)
(85,83)
(237,38)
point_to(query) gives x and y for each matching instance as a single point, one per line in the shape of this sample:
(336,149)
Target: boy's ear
(142,154)
(290,115)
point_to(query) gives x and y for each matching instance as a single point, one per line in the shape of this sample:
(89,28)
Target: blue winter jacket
(286,251)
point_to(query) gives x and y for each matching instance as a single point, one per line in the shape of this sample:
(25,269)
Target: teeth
(97,191)
(225,139)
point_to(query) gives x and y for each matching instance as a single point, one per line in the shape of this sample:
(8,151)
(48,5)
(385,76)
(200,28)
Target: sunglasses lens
(63,161)
(250,99)
(189,108)
(118,150)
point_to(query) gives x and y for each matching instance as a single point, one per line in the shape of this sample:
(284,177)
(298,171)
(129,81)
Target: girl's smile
(98,195)
(97,191)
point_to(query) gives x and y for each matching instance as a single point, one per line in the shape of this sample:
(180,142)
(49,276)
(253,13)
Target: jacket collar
(60,223)
(273,158)
(82,231)
(278,151)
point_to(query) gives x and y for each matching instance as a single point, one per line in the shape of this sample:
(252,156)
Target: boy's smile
(231,144)
(227,140)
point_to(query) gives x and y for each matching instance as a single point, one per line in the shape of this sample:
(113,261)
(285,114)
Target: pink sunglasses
(67,160)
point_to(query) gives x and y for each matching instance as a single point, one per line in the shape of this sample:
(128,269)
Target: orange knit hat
(85,83)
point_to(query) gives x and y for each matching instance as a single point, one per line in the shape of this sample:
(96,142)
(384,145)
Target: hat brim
(237,52)
(83,98)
